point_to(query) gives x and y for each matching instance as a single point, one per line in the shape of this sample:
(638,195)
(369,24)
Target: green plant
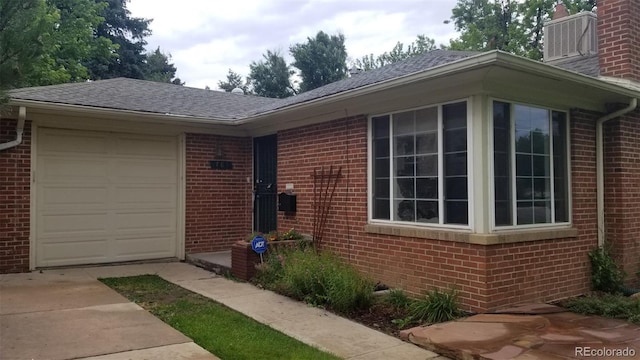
(270,271)
(319,278)
(403,322)
(397,298)
(437,306)
(291,234)
(347,290)
(607,305)
(605,274)
(252,235)
(273,235)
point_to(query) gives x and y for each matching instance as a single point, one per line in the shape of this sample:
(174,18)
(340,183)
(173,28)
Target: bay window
(419,166)
(530,170)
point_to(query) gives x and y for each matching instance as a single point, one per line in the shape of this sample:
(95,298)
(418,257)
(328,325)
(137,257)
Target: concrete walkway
(60,316)
(312,326)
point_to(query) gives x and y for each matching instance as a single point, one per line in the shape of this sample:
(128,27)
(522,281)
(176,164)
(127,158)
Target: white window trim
(470,185)
(550,226)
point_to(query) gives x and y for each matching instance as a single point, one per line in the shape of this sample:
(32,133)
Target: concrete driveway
(71,315)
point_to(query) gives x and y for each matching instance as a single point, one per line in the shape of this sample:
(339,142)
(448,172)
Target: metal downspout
(600,164)
(22,114)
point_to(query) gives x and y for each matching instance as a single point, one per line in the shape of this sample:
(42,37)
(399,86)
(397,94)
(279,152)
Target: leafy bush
(321,279)
(270,271)
(397,298)
(437,306)
(605,274)
(607,305)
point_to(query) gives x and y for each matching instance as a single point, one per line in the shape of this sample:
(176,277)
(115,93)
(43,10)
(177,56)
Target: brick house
(478,170)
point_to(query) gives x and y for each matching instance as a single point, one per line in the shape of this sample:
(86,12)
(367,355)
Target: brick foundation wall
(489,277)
(622,192)
(15,169)
(619,38)
(218,202)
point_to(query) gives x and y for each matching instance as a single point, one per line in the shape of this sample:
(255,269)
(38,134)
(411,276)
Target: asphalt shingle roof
(162,98)
(146,96)
(587,65)
(406,67)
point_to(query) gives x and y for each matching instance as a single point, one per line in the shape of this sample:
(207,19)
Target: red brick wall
(218,202)
(553,269)
(488,276)
(619,38)
(622,191)
(15,168)
(411,263)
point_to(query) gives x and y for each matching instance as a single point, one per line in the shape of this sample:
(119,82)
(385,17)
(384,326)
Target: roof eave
(493,58)
(499,58)
(438,71)
(540,69)
(110,112)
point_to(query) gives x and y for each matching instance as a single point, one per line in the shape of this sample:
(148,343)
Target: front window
(419,166)
(530,165)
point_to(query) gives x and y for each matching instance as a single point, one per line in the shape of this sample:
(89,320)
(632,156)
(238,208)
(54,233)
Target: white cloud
(206,38)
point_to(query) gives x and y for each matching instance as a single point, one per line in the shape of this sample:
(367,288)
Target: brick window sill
(503,237)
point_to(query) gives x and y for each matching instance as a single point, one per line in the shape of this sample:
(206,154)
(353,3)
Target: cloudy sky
(207,37)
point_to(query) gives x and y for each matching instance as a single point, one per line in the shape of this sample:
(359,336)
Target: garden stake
(323,199)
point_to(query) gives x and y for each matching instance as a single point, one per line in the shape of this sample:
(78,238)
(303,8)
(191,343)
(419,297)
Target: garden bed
(244,259)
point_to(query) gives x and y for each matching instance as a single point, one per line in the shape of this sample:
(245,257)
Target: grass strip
(226,333)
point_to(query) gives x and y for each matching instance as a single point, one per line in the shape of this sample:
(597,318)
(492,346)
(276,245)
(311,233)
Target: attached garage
(104,197)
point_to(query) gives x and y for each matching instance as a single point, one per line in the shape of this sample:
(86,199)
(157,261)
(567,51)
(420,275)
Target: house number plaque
(221,165)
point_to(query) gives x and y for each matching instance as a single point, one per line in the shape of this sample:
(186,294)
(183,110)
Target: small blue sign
(259,244)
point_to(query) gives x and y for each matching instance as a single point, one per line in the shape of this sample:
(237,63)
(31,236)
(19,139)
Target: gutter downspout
(600,164)
(22,114)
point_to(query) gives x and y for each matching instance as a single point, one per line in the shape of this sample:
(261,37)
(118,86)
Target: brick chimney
(560,12)
(619,38)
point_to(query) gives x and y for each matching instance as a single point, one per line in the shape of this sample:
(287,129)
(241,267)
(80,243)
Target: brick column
(15,169)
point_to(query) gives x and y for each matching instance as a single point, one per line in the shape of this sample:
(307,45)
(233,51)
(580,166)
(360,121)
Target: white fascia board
(514,62)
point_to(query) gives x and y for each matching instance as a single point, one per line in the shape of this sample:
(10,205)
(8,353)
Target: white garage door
(104,197)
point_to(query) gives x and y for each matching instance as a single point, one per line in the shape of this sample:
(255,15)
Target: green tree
(421,45)
(158,68)
(234,80)
(507,25)
(129,35)
(25,29)
(70,43)
(321,60)
(271,77)
(487,25)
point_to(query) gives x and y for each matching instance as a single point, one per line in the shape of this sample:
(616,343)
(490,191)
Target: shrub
(437,306)
(607,305)
(321,279)
(269,271)
(397,298)
(605,274)
(272,236)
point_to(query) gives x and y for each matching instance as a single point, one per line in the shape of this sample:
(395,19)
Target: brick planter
(244,259)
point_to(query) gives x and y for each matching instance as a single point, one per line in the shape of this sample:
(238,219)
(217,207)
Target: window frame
(441,187)
(491,175)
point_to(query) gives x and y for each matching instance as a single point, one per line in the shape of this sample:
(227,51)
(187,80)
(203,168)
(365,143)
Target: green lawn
(222,331)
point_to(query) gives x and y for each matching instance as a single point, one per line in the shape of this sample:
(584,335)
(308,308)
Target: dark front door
(265,162)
